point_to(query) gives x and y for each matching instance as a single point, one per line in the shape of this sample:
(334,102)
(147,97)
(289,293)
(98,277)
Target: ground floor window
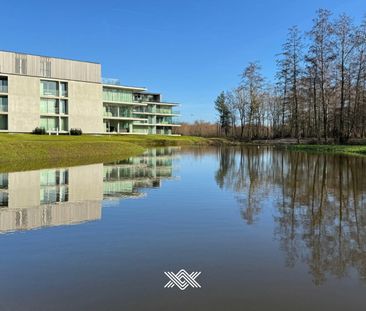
(3,122)
(55,124)
(4,181)
(163,130)
(140,129)
(115,126)
(64,124)
(50,123)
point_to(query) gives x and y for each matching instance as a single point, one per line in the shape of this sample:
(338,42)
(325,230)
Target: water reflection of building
(51,197)
(125,178)
(63,196)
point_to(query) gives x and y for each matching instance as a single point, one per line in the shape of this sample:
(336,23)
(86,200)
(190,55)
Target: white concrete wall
(86,107)
(23,103)
(86,183)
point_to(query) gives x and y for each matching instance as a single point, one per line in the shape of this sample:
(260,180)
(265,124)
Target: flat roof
(70,59)
(135,88)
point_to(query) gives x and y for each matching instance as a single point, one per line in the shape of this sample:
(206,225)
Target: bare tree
(253,84)
(322,52)
(292,53)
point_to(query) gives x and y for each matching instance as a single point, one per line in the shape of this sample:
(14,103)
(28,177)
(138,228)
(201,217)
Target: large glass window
(49,88)
(3,104)
(125,112)
(110,111)
(64,124)
(54,177)
(50,123)
(49,106)
(3,122)
(4,181)
(117,95)
(3,84)
(63,106)
(64,89)
(4,199)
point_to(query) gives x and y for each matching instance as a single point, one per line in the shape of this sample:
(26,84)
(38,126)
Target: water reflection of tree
(320,204)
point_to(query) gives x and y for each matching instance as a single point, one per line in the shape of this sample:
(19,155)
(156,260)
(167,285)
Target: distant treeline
(319,90)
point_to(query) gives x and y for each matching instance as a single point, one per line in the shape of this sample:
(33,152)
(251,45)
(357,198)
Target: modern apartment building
(60,94)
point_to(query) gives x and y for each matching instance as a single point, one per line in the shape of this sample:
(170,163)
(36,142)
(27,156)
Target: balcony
(118,112)
(150,98)
(167,111)
(111,81)
(153,110)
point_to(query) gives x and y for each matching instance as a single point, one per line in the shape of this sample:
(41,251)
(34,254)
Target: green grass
(26,151)
(336,149)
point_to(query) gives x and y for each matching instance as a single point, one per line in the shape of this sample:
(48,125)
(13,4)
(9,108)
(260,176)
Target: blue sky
(189,50)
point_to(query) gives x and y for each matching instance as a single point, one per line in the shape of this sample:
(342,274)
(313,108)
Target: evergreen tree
(224,112)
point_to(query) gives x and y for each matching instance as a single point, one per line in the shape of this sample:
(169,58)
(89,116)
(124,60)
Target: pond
(255,228)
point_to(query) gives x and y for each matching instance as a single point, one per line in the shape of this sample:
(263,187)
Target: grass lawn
(26,151)
(338,149)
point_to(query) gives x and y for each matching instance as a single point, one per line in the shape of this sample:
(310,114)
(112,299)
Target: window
(45,66)
(3,122)
(49,88)
(4,199)
(49,106)
(21,64)
(64,89)
(3,84)
(3,104)
(64,124)
(63,106)
(117,95)
(50,123)
(56,105)
(54,177)
(4,181)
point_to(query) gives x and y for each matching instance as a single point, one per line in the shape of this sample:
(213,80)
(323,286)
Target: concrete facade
(59,94)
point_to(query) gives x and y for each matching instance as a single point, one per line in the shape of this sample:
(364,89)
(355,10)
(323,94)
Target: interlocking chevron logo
(182,279)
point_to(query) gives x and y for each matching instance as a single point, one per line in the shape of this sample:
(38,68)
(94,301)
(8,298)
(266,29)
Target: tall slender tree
(253,84)
(345,43)
(292,53)
(224,113)
(322,52)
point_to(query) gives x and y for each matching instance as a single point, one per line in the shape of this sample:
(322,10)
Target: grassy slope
(351,149)
(25,151)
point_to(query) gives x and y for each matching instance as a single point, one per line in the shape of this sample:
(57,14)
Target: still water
(268,229)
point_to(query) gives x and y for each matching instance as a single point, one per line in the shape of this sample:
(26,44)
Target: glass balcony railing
(140,131)
(111,114)
(157,111)
(115,113)
(167,111)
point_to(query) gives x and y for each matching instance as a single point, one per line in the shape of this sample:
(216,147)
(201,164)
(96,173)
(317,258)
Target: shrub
(39,131)
(76,132)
